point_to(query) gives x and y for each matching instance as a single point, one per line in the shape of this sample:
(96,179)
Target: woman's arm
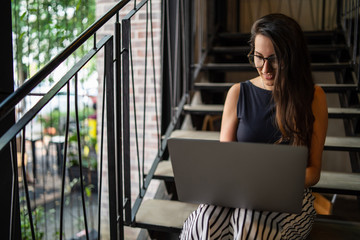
(229,120)
(320,111)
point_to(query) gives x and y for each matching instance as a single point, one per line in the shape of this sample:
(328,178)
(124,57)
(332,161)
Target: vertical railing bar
(80,156)
(154,78)
(44,173)
(358,44)
(176,55)
(351,20)
(118,123)
(167,10)
(349,24)
(339,7)
(12,205)
(64,160)
(109,77)
(101,154)
(15,187)
(332,15)
(202,19)
(344,17)
(54,172)
(135,118)
(323,15)
(183,47)
(28,205)
(33,151)
(191,38)
(200,31)
(145,85)
(356,31)
(126,117)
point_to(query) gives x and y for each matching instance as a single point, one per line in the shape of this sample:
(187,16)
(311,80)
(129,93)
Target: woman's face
(265,49)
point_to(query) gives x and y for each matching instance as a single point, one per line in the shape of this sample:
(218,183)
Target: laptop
(263,177)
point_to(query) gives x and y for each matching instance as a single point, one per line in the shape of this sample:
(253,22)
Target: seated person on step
(281,105)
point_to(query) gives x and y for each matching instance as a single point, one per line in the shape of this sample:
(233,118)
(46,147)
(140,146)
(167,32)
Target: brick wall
(138,40)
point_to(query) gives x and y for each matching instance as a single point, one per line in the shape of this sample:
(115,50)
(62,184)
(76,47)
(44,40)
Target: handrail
(14,98)
(16,128)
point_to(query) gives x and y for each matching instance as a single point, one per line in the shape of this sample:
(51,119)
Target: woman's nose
(266,67)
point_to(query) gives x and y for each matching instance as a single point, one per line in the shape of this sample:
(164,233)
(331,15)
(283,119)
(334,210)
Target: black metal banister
(117,120)
(151,173)
(16,128)
(14,98)
(126,116)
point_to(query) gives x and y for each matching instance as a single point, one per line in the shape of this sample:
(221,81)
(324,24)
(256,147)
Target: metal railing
(117,79)
(175,87)
(185,43)
(349,11)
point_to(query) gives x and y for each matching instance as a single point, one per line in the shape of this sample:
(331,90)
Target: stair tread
(164,169)
(246,49)
(331,142)
(168,215)
(328,87)
(335,229)
(345,182)
(311,36)
(218,108)
(337,181)
(164,213)
(247,66)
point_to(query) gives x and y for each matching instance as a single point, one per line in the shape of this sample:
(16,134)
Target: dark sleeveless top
(256,114)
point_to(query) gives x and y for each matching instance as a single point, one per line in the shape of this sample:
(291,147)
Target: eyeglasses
(259,61)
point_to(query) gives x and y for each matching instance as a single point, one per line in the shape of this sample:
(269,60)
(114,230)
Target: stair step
(222,87)
(169,216)
(163,215)
(312,37)
(212,109)
(330,182)
(334,229)
(328,67)
(217,109)
(331,143)
(340,183)
(246,49)
(164,171)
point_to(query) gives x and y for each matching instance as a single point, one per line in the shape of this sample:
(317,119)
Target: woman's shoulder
(319,101)
(234,90)
(319,93)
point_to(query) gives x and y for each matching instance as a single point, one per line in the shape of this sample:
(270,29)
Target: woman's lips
(268,76)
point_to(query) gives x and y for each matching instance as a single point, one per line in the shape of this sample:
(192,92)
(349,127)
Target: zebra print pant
(214,222)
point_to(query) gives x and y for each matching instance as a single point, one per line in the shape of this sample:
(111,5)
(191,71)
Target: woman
(281,105)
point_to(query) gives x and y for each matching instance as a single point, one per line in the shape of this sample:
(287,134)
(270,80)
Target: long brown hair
(294,86)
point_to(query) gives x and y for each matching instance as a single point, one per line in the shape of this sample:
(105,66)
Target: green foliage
(42,28)
(38,220)
(89,157)
(56,117)
(52,119)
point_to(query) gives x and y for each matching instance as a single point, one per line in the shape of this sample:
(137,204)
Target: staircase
(334,69)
